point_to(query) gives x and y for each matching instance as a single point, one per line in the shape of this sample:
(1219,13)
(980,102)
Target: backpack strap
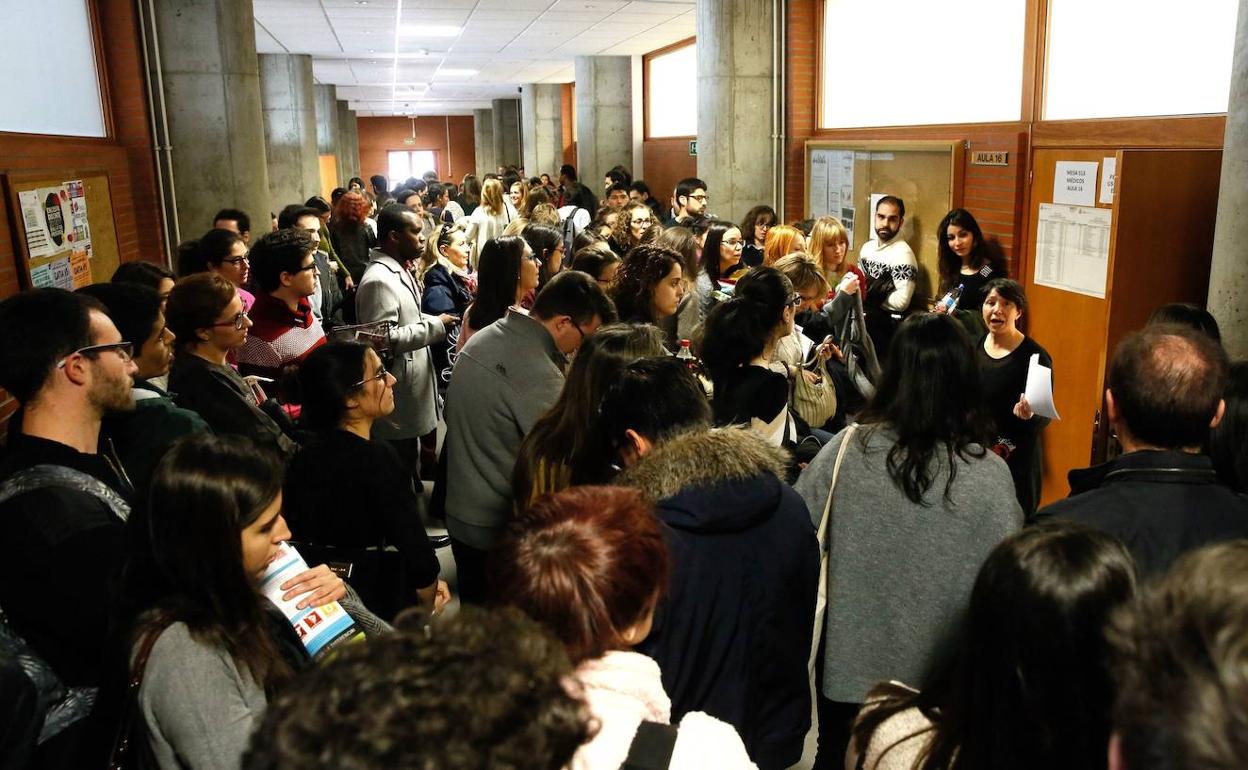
(42,476)
(652,747)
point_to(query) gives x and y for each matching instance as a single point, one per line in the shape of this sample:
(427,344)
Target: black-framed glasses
(236,260)
(380,375)
(123,349)
(307,267)
(238,322)
(703,198)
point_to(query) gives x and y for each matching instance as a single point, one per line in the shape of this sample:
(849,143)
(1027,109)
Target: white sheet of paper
(1074,182)
(1039,389)
(1109,170)
(1072,248)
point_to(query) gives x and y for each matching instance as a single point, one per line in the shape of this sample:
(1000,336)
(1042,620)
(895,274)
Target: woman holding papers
(1005,355)
(207,647)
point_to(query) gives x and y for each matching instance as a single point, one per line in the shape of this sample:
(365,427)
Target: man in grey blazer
(388,292)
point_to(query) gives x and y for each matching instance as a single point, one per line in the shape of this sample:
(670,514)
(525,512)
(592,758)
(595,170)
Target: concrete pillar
(507,146)
(604,117)
(1228,274)
(483,138)
(289,105)
(212,94)
(327,129)
(541,110)
(348,143)
(735,156)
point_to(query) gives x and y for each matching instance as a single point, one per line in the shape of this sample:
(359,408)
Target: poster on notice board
(58,235)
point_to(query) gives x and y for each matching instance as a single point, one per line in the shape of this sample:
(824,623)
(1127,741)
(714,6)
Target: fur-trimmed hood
(724,479)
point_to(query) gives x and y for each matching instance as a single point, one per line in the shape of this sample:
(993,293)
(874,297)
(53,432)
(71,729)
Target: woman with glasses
(546,243)
(345,389)
(754,228)
(206,316)
(720,261)
(649,286)
(222,252)
(506,273)
(632,228)
(600,262)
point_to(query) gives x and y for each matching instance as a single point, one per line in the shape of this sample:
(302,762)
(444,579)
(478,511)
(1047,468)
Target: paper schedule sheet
(1039,389)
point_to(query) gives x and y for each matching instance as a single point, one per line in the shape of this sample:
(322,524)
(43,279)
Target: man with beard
(63,496)
(891,270)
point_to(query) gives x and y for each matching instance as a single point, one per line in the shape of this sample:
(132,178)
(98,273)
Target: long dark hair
(1027,686)
(642,269)
(327,378)
(738,330)
(498,275)
(561,435)
(710,248)
(681,240)
(751,219)
(931,395)
(186,560)
(950,264)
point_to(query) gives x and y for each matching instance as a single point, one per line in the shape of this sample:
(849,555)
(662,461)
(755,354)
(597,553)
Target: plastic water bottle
(685,354)
(950,301)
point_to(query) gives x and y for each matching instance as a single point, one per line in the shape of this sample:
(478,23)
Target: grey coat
(388,292)
(506,377)
(899,574)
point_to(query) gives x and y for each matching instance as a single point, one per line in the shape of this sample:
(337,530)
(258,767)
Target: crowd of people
(701,479)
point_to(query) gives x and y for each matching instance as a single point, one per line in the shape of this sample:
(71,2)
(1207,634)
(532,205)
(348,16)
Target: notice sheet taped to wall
(1072,248)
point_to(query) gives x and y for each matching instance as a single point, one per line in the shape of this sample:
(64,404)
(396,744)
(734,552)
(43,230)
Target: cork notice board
(103,257)
(842,177)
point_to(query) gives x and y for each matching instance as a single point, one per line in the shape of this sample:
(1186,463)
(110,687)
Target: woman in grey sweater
(217,649)
(918,504)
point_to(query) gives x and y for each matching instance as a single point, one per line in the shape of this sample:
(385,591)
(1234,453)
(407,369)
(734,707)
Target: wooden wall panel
(666,162)
(378,136)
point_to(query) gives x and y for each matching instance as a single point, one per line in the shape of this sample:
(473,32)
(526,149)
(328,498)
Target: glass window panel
(50,85)
(1124,58)
(672,99)
(917,62)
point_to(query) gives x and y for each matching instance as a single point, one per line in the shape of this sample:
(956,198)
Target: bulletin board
(78,250)
(842,177)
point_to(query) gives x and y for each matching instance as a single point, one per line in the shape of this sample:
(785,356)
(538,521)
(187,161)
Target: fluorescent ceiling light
(429,30)
(456,73)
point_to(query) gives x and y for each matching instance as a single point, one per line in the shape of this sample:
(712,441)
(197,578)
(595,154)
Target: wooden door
(1072,327)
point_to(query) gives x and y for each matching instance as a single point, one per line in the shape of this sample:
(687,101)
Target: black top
(751,255)
(1159,503)
(749,392)
(345,491)
(973,293)
(221,396)
(352,243)
(63,550)
(1016,440)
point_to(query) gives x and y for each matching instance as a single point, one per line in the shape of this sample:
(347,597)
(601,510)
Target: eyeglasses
(123,349)
(238,322)
(380,375)
(643,222)
(703,198)
(307,267)
(236,260)
(734,244)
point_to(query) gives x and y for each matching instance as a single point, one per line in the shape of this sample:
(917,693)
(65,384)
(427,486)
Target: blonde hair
(432,254)
(827,231)
(802,271)
(779,243)
(545,214)
(492,196)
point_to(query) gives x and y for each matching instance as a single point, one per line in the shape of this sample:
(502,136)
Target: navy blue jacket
(733,634)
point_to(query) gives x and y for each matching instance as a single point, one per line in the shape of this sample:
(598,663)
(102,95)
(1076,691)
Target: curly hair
(622,230)
(482,690)
(641,271)
(352,207)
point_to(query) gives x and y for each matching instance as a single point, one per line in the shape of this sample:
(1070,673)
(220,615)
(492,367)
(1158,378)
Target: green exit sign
(693,147)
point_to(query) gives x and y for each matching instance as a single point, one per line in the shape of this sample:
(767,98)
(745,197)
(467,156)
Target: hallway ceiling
(448,57)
